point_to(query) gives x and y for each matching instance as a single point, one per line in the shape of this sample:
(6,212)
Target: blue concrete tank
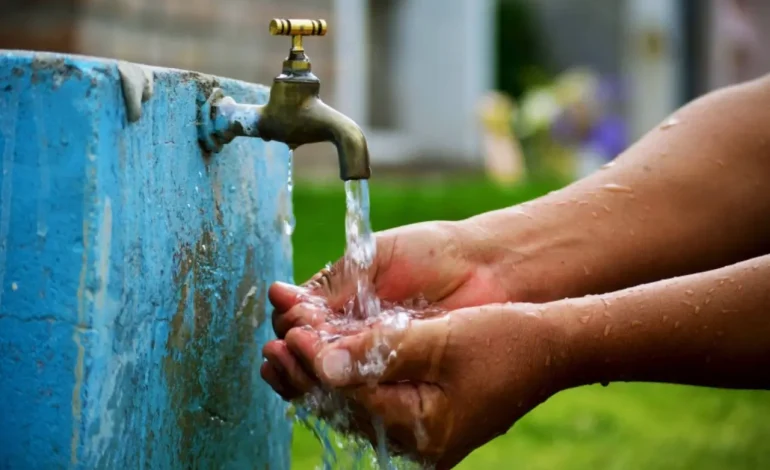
(134,272)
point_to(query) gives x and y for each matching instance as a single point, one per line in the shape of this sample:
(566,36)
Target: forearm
(710,329)
(684,199)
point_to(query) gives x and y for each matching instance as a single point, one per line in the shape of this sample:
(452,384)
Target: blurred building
(412,72)
(664,52)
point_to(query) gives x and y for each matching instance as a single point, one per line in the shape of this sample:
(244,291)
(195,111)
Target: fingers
(285,296)
(284,372)
(333,284)
(277,382)
(380,354)
(301,314)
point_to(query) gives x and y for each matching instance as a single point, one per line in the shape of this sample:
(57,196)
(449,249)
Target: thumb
(384,354)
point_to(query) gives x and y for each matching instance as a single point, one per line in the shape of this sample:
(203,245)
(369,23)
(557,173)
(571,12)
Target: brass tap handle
(297,63)
(286,27)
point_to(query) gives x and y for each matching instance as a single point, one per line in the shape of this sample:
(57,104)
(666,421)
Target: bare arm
(709,329)
(687,197)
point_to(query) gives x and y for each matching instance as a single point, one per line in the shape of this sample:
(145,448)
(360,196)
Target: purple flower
(609,136)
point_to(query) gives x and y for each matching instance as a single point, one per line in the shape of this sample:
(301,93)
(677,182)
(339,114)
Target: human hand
(444,385)
(448,264)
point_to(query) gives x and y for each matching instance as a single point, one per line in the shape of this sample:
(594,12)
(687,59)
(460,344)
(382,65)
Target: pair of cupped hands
(453,381)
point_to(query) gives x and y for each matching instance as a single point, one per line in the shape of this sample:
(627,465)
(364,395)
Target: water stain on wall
(211,349)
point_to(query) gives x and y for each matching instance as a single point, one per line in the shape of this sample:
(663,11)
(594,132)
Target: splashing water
(342,451)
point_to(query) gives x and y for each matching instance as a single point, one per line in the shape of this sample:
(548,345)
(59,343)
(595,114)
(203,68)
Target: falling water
(360,250)
(289,222)
(364,308)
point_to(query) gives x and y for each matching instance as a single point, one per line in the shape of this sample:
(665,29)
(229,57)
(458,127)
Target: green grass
(623,426)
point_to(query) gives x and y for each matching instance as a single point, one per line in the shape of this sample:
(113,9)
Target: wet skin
(688,200)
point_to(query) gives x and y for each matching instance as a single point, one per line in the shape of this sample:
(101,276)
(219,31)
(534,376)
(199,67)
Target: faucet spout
(294,115)
(345,134)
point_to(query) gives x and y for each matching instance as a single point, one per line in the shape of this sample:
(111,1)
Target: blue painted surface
(133,274)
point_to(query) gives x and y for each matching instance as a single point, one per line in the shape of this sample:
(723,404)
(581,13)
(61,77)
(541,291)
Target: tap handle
(286,27)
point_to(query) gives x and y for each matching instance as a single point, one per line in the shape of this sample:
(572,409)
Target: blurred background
(472,105)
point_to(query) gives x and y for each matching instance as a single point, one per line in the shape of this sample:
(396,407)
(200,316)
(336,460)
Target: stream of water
(341,451)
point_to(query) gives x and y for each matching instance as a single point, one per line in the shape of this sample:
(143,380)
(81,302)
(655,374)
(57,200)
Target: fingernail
(336,365)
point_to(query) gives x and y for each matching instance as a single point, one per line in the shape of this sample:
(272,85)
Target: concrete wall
(133,274)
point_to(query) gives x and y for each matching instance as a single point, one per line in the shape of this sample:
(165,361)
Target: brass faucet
(294,113)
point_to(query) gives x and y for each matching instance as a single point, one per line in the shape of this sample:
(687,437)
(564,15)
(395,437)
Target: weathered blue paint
(133,274)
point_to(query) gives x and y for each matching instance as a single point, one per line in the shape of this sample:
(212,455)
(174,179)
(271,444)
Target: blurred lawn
(623,426)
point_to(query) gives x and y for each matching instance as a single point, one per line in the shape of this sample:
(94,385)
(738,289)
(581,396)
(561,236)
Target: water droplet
(488,342)
(676,325)
(697,309)
(707,301)
(608,165)
(669,123)
(631,232)
(586,270)
(607,329)
(583,203)
(689,292)
(289,225)
(585,319)
(197,190)
(617,188)
(665,318)
(636,323)
(710,291)
(607,209)
(594,215)
(740,287)
(573,200)
(547,361)
(689,304)
(720,163)
(14,286)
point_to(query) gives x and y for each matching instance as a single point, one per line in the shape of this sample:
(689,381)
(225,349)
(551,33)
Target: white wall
(653,74)
(443,63)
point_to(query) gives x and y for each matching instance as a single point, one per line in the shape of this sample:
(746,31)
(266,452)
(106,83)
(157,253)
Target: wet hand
(443,386)
(446,263)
